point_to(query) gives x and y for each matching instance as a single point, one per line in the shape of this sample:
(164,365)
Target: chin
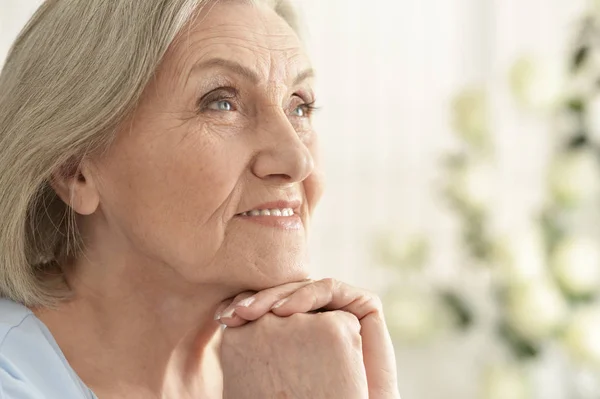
(257,264)
(289,276)
(270,273)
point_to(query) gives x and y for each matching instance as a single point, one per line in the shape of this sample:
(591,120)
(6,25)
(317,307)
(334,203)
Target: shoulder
(17,328)
(12,315)
(31,363)
(15,339)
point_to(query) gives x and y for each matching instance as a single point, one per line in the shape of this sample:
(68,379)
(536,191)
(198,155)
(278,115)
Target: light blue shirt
(32,366)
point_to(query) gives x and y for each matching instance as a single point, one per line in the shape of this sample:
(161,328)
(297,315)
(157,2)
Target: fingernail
(244,303)
(227,313)
(279,303)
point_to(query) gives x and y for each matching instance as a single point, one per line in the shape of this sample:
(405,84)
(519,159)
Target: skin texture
(377,352)
(222,128)
(282,370)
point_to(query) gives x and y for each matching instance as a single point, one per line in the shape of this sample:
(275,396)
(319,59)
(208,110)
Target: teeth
(270,212)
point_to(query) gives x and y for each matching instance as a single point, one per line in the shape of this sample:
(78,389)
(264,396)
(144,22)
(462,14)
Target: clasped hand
(276,346)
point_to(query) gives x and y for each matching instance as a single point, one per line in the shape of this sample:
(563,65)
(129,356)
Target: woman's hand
(328,294)
(316,356)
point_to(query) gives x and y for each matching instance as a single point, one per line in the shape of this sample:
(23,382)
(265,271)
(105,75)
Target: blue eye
(300,110)
(304,110)
(221,105)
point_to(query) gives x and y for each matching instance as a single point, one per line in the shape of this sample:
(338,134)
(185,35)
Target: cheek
(177,182)
(314,185)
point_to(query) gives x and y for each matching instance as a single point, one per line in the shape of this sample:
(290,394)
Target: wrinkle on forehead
(253,35)
(241,19)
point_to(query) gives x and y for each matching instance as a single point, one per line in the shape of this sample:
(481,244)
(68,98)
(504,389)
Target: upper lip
(281,204)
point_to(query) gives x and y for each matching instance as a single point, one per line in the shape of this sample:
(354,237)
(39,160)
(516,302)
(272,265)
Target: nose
(283,156)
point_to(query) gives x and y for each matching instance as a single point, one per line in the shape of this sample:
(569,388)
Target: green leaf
(580,57)
(460,308)
(551,228)
(576,105)
(578,141)
(521,348)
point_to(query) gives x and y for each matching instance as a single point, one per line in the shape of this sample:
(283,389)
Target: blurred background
(461,141)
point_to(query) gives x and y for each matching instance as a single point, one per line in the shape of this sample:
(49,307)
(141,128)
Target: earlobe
(77,189)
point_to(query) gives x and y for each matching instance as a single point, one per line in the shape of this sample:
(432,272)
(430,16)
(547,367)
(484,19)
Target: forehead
(249,34)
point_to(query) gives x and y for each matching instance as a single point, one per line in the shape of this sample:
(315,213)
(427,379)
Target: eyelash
(309,108)
(216,95)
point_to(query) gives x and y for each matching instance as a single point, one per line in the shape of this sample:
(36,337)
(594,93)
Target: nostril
(281,176)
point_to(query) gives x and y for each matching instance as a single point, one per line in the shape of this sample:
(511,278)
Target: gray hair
(75,72)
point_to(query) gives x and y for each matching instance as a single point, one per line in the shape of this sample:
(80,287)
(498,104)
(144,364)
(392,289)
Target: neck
(139,337)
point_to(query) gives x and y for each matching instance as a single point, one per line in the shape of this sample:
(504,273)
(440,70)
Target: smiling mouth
(282,212)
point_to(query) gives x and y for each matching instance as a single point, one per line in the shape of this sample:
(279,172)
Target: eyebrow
(244,71)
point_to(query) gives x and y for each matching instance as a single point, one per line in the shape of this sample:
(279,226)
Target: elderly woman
(157,178)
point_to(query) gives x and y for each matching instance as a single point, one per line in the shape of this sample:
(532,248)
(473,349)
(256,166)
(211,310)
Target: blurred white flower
(506,381)
(538,82)
(536,309)
(415,315)
(475,184)
(470,115)
(576,264)
(522,256)
(575,177)
(582,337)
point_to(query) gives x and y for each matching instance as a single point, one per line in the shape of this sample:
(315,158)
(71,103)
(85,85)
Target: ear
(76,186)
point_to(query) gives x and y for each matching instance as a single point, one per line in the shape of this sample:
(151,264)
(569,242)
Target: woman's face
(224,128)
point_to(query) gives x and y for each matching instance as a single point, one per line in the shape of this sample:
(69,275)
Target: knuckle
(299,321)
(375,302)
(327,321)
(370,303)
(314,294)
(340,324)
(345,331)
(337,331)
(329,283)
(349,320)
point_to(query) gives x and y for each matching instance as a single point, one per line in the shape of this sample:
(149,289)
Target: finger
(328,294)
(378,351)
(379,359)
(225,314)
(261,303)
